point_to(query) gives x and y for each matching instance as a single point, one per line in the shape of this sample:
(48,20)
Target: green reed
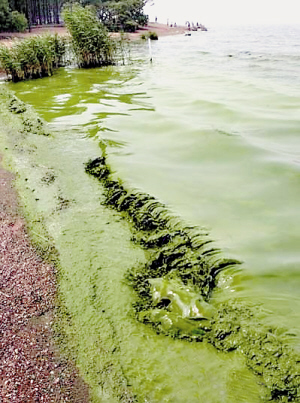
(34,57)
(91,43)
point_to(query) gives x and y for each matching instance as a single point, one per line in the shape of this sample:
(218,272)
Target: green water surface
(184,149)
(120,358)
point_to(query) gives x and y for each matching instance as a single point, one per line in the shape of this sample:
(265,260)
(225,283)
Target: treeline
(116,15)
(39,12)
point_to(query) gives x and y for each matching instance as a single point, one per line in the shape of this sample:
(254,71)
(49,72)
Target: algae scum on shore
(175,285)
(132,274)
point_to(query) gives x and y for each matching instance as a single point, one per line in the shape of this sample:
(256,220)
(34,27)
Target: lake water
(211,128)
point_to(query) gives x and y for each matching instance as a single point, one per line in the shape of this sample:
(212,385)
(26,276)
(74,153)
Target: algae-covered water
(211,128)
(120,358)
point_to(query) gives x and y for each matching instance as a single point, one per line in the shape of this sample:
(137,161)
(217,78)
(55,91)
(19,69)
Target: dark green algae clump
(174,289)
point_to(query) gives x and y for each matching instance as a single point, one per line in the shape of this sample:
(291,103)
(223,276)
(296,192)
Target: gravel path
(31,369)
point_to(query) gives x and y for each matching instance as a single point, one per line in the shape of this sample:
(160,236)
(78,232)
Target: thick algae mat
(177,283)
(120,358)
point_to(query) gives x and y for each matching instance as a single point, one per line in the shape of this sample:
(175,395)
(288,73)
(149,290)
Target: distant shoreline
(160,29)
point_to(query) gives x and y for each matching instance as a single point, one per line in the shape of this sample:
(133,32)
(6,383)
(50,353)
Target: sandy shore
(160,29)
(31,368)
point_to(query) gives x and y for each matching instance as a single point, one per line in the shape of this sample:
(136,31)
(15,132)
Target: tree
(5,15)
(18,5)
(11,21)
(125,15)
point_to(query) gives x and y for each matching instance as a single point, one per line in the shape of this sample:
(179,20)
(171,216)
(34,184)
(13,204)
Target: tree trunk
(28,13)
(56,18)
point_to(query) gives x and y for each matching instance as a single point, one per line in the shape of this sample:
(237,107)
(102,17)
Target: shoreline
(50,345)
(160,29)
(35,371)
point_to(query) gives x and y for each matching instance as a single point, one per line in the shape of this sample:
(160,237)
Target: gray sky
(212,12)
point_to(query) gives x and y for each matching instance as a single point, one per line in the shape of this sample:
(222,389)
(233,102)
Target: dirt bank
(160,29)
(31,368)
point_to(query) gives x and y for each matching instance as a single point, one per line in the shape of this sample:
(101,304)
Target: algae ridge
(176,285)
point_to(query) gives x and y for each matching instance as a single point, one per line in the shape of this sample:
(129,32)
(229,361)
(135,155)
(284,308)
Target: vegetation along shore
(84,41)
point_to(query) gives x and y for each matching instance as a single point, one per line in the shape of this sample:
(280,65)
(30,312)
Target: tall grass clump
(33,57)
(92,45)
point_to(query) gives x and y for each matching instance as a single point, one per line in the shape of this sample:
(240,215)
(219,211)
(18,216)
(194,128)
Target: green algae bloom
(176,285)
(173,286)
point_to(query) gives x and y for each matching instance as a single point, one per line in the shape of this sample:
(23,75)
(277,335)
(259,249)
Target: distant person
(175,25)
(155,19)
